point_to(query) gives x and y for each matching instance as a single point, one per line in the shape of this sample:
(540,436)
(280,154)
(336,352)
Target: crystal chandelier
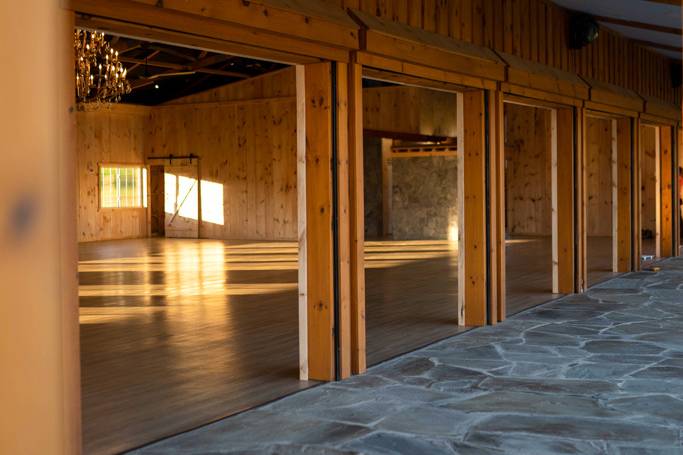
(100,76)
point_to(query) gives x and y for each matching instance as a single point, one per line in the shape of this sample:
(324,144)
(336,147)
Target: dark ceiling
(160,72)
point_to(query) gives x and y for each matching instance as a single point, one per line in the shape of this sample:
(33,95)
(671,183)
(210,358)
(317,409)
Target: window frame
(144,190)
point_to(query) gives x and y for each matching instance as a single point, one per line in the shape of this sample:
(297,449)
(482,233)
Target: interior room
(187,223)
(411,197)
(601,204)
(528,206)
(650,193)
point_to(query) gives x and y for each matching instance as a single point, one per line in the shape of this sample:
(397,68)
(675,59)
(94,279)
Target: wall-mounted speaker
(583,30)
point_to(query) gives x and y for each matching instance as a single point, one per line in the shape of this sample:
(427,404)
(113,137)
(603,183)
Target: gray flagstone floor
(595,373)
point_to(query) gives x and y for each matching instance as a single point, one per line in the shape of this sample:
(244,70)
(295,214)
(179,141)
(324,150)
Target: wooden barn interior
(293,191)
(529,231)
(188,259)
(411,201)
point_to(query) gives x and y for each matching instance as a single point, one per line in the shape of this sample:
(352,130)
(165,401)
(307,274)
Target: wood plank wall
(599,176)
(528,170)
(117,135)
(409,110)
(535,30)
(648,199)
(245,134)
(247,147)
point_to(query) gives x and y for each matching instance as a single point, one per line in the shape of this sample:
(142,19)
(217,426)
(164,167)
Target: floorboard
(529,273)
(177,333)
(599,255)
(411,295)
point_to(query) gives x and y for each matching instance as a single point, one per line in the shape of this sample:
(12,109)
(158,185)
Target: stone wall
(372,170)
(424,198)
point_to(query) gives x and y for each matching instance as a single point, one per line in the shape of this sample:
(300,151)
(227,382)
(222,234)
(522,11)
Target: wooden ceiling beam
(171,51)
(132,68)
(666,2)
(636,24)
(178,67)
(658,45)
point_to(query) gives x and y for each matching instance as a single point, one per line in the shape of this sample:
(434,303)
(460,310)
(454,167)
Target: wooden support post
(614,173)
(497,207)
(314,144)
(473,237)
(678,156)
(554,198)
(658,194)
(636,195)
(667,191)
(343,222)
(39,340)
(581,201)
(623,202)
(564,209)
(357,220)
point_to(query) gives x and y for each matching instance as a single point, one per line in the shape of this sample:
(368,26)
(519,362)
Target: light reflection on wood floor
(176,333)
(411,295)
(528,272)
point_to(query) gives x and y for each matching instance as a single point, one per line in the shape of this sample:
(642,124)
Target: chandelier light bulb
(100,76)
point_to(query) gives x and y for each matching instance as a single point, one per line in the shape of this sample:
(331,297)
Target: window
(122,187)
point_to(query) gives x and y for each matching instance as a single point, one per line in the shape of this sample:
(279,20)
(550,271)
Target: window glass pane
(123,187)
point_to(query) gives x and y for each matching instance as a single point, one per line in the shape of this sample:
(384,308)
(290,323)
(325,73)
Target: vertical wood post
(623,201)
(39,342)
(314,94)
(564,181)
(636,194)
(678,157)
(357,220)
(667,191)
(581,266)
(554,198)
(343,221)
(473,244)
(614,180)
(497,207)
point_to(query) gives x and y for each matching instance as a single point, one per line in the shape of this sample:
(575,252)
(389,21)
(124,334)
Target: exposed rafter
(659,45)
(179,67)
(641,25)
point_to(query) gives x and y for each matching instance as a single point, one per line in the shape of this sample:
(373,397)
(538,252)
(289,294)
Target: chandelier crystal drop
(100,76)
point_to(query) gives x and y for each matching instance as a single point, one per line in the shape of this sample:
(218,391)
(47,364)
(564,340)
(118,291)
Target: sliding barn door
(181,201)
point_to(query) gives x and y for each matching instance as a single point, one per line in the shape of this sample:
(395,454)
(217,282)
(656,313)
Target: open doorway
(601,194)
(650,168)
(530,145)
(411,148)
(188,254)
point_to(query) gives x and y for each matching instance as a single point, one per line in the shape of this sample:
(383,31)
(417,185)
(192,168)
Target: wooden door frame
(562,231)
(623,187)
(666,194)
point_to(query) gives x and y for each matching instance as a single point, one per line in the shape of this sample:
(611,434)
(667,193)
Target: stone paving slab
(597,373)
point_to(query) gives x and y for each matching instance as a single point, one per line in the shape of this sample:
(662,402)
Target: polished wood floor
(528,272)
(411,295)
(599,259)
(177,333)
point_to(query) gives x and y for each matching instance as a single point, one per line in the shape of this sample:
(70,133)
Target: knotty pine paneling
(648,178)
(535,30)
(528,170)
(599,176)
(119,135)
(410,110)
(248,148)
